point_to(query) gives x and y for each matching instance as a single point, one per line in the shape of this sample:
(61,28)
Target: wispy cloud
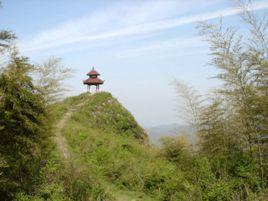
(124,21)
(178,43)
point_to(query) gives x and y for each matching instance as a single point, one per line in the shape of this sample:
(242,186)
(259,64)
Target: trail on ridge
(58,138)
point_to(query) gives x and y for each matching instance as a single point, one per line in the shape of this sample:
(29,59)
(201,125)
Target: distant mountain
(158,132)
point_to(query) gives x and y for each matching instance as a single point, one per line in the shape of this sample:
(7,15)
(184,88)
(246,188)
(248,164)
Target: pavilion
(93,80)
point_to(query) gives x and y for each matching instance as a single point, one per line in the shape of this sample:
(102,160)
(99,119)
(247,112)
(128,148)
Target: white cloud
(125,20)
(179,43)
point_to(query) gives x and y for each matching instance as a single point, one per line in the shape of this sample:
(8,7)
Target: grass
(111,160)
(109,145)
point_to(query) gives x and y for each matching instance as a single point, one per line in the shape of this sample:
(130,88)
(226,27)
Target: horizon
(138,47)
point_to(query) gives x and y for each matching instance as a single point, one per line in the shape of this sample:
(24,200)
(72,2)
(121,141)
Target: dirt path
(60,140)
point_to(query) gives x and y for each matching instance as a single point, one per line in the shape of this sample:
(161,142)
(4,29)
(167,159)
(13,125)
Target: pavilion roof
(93,81)
(93,72)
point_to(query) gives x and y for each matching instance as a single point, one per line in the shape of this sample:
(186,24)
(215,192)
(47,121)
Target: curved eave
(93,83)
(92,74)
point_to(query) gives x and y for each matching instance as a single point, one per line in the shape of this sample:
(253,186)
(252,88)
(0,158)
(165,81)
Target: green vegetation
(232,121)
(110,159)
(103,112)
(89,147)
(107,144)
(109,162)
(24,129)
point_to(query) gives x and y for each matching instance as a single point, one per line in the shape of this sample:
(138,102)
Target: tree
(233,121)
(49,78)
(242,64)
(6,40)
(192,102)
(6,37)
(24,128)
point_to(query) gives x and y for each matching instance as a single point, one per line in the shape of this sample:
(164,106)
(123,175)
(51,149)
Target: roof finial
(93,68)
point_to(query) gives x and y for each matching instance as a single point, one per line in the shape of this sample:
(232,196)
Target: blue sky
(138,46)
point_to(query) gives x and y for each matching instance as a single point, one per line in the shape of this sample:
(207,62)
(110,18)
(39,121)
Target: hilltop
(108,153)
(101,112)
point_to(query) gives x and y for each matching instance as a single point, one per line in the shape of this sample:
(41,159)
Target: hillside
(109,158)
(101,111)
(97,152)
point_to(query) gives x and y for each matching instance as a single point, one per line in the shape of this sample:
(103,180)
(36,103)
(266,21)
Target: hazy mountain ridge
(171,130)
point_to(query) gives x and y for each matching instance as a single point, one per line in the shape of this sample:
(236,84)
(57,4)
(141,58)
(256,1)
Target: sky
(138,46)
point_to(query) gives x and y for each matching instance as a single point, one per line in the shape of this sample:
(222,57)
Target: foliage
(6,46)
(233,120)
(191,101)
(110,156)
(50,77)
(102,111)
(6,37)
(24,128)
(109,153)
(177,150)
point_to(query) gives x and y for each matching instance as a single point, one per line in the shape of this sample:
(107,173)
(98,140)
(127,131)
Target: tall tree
(24,128)
(242,64)
(233,122)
